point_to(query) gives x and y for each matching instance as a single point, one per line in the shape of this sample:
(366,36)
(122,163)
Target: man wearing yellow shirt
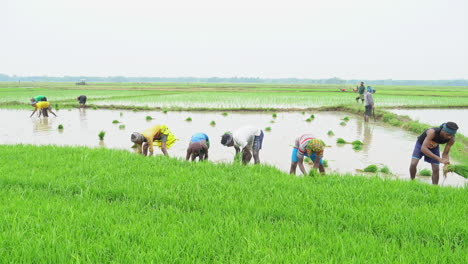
(42,106)
(159,134)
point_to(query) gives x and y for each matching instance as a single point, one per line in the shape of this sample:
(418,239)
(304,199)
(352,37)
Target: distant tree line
(14,78)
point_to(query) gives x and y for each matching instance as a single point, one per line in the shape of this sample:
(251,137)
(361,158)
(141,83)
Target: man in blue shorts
(427,145)
(198,147)
(307,145)
(249,139)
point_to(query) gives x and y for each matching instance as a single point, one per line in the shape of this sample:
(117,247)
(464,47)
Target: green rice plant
(238,158)
(213,123)
(60,127)
(303,112)
(425,172)
(268,129)
(385,169)
(308,120)
(325,163)
(357,142)
(314,173)
(165,111)
(343,123)
(122,127)
(371,168)
(57,107)
(149,118)
(461,170)
(357,147)
(272,121)
(395,122)
(307,159)
(188,119)
(101,135)
(341,141)
(330,133)
(312,116)
(115,122)
(224,114)
(95,107)
(135,109)
(346,118)
(274,115)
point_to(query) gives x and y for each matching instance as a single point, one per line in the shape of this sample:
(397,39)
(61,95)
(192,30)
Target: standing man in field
(43,108)
(159,134)
(198,147)
(307,145)
(369,104)
(249,139)
(427,145)
(39,98)
(82,101)
(361,91)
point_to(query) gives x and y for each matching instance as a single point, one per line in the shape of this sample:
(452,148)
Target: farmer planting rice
(82,100)
(427,145)
(361,91)
(43,107)
(198,147)
(159,134)
(247,138)
(38,98)
(307,145)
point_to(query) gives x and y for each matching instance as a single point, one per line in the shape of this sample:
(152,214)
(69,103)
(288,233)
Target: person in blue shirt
(198,147)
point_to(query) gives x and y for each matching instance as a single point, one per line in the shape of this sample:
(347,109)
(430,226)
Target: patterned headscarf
(315,146)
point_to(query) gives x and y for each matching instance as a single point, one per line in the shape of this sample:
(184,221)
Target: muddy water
(383,145)
(438,116)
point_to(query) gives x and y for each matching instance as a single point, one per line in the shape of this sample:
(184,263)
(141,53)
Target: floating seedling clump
(371,168)
(312,116)
(308,120)
(188,119)
(101,135)
(149,118)
(135,109)
(212,123)
(115,122)
(385,169)
(340,141)
(60,127)
(274,115)
(268,129)
(357,147)
(224,114)
(122,127)
(330,133)
(343,123)
(346,118)
(95,107)
(165,111)
(325,163)
(357,142)
(425,172)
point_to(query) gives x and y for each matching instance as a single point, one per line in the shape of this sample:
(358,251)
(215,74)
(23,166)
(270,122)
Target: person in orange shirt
(42,106)
(159,134)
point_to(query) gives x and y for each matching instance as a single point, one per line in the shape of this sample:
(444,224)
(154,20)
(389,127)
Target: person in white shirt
(249,139)
(369,103)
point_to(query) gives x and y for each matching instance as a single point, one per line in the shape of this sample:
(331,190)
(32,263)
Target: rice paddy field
(67,197)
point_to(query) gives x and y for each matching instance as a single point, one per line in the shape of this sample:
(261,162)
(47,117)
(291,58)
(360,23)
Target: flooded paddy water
(437,116)
(384,145)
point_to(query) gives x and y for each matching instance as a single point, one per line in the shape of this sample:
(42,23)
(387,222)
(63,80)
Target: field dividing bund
(99,205)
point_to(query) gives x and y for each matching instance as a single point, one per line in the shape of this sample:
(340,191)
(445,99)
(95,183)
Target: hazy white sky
(362,39)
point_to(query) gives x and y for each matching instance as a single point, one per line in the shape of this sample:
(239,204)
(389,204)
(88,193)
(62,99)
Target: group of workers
(248,142)
(41,104)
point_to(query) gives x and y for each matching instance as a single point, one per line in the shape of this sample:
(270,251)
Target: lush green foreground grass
(64,204)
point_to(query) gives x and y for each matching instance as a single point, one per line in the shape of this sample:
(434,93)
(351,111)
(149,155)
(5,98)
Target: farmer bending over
(249,139)
(198,147)
(307,145)
(160,134)
(427,145)
(82,100)
(42,106)
(361,91)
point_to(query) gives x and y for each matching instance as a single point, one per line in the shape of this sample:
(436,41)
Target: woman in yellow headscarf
(159,135)
(307,145)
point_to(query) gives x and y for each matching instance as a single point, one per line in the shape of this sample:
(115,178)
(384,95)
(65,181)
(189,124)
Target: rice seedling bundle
(148,118)
(188,119)
(101,135)
(312,116)
(115,122)
(340,141)
(343,123)
(461,170)
(212,123)
(371,168)
(308,120)
(60,126)
(357,147)
(425,172)
(330,133)
(274,115)
(268,129)
(385,169)
(224,114)
(346,118)
(357,142)
(122,127)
